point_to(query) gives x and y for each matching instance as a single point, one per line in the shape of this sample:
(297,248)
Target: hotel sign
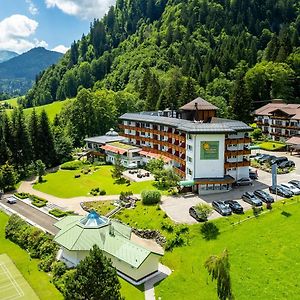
(209,150)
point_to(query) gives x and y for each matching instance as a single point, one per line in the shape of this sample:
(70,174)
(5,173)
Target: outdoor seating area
(138,175)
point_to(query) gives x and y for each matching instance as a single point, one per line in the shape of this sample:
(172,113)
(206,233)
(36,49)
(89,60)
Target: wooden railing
(237,141)
(154,141)
(239,164)
(179,172)
(178,137)
(229,153)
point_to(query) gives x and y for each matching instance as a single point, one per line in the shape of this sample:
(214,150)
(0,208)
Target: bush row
(97,191)
(60,213)
(22,195)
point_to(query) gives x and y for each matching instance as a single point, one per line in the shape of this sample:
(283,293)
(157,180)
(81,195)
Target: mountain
(17,75)
(236,54)
(7,55)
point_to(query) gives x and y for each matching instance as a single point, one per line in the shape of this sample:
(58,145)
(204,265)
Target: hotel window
(190,148)
(189,159)
(189,136)
(189,171)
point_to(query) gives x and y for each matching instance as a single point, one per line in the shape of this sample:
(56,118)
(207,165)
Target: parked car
(253,174)
(264,196)
(262,157)
(295,183)
(222,208)
(281,191)
(11,200)
(292,188)
(270,159)
(244,181)
(235,206)
(286,164)
(197,215)
(250,198)
(278,160)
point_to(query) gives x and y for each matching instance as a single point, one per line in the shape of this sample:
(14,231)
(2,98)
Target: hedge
(22,195)
(151,197)
(72,165)
(60,213)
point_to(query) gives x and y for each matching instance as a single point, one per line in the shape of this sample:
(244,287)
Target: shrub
(46,262)
(77,175)
(58,268)
(124,195)
(59,213)
(102,192)
(151,197)
(37,201)
(204,210)
(72,165)
(176,240)
(167,225)
(22,195)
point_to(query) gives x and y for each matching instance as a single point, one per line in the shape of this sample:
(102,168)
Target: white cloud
(15,33)
(32,8)
(60,48)
(85,9)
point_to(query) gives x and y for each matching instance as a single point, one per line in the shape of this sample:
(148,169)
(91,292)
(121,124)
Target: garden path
(70,203)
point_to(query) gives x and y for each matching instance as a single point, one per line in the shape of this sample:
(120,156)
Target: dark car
(270,159)
(295,183)
(197,215)
(278,160)
(243,181)
(281,191)
(222,208)
(253,174)
(264,196)
(235,206)
(286,164)
(250,198)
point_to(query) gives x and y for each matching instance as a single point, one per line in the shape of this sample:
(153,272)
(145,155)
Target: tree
(95,278)
(9,177)
(204,210)
(33,130)
(155,165)
(218,268)
(118,168)
(40,169)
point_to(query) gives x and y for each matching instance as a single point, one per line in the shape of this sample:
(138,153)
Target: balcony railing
(228,165)
(237,152)
(237,141)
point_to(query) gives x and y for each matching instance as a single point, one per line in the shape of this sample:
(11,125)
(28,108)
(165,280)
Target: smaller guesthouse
(135,259)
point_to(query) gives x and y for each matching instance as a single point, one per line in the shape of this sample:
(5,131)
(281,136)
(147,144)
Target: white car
(292,188)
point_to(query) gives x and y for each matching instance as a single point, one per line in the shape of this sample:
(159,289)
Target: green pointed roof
(79,233)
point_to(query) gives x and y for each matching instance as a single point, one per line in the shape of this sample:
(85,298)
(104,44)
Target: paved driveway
(177,208)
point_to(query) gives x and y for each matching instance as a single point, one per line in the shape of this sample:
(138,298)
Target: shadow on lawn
(286,214)
(209,231)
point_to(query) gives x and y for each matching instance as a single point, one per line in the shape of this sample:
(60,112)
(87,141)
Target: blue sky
(53,24)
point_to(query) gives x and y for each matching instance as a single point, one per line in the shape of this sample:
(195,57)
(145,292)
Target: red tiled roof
(156,156)
(295,140)
(266,110)
(114,149)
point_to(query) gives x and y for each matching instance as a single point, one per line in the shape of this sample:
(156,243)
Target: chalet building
(209,153)
(135,259)
(279,121)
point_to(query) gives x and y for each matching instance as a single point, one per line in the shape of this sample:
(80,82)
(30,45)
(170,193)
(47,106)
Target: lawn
(39,281)
(51,109)
(264,256)
(102,207)
(272,146)
(131,292)
(63,183)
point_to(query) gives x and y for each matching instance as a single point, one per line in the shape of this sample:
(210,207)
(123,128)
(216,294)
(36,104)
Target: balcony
(237,141)
(228,165)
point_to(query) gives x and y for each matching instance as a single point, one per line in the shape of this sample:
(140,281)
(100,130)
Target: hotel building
(209,153)
(278,121)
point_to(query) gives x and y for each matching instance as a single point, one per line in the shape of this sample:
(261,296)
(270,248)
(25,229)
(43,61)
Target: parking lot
(177,208)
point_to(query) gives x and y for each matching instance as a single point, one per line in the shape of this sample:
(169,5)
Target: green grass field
(39,281)
(271,146)
(51,109)
(264,256)
(63,184)
(12,283)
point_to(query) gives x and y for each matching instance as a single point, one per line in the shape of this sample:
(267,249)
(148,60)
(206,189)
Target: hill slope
(17,74)
(232,52)
(7,55)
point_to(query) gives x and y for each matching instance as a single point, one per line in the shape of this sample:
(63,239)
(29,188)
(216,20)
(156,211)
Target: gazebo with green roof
(134,258)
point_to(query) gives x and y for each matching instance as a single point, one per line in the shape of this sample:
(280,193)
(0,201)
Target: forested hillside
(18,74)
(235,53)
(6,55)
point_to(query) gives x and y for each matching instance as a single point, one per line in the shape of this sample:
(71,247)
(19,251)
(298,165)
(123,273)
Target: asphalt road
(33,215)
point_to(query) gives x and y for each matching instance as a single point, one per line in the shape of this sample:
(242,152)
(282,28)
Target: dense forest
(236,53)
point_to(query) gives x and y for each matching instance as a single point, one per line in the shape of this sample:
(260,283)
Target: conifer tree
(33,129)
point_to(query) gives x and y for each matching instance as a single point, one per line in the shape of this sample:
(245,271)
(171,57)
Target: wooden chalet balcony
(239,164)
(237,141)
(279,134)
(178,136)
(229,153)
(164,153)
(179,172)
(155,142)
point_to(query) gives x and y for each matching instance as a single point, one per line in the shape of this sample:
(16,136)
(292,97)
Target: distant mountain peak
(7,55)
